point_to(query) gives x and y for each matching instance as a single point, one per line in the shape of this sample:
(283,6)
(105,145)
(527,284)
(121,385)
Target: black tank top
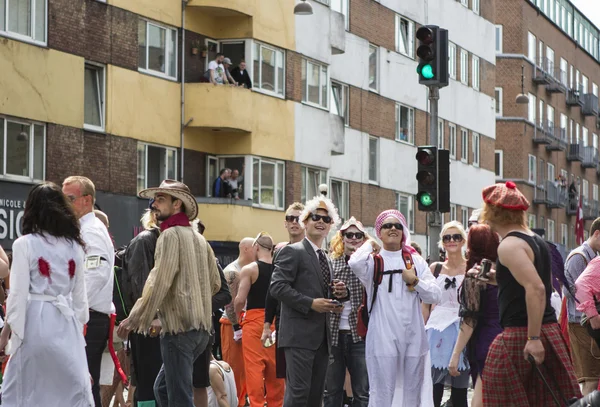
(258,291)
(511,294)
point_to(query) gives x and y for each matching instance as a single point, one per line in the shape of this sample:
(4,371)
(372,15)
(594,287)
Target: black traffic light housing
(433,179)
(432,54)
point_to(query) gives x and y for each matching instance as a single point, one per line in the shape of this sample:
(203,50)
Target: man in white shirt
(217,70)
(99,277)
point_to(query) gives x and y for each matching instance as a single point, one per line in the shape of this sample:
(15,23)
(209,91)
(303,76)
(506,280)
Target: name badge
(92,262)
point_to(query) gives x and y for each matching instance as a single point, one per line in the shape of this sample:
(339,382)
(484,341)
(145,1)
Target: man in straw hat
(397,350)
(180,287)
(302,281)
(531,333)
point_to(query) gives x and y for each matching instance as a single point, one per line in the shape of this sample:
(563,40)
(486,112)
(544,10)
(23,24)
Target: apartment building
(550,144)
(115,90)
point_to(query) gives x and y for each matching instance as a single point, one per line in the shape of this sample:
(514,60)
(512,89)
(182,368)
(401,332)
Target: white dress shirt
(99,262)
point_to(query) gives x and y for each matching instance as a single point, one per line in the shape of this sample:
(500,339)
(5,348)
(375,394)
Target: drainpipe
(183,4)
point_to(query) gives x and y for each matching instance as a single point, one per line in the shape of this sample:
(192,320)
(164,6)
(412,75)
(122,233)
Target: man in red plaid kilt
(523,275)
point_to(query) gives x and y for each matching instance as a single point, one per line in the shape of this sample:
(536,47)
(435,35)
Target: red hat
(505,196)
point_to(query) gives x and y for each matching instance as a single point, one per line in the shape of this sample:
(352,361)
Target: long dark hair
(481,244)
(47,211)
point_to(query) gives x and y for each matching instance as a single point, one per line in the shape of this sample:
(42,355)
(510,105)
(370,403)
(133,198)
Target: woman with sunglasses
(479,309)
(347,347)
(443,321)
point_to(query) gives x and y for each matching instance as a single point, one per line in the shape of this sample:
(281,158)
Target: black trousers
(96,339)
(146,361)
(306,372)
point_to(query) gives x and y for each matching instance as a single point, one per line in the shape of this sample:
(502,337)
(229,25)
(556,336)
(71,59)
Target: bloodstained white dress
(397,350)
(46,310)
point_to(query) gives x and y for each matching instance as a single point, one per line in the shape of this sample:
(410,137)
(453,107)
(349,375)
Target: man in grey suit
(302,283)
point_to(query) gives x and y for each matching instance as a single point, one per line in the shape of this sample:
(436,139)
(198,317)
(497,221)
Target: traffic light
(432,53)
(433,178)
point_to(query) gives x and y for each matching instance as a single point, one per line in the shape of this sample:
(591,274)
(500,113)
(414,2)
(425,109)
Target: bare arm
(514,254)
(464,334)
(218,385)
(3,263)
(247,275)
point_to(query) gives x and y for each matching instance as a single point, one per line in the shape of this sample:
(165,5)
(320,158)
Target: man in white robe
(397,351)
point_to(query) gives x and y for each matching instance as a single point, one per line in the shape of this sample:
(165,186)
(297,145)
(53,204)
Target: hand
(409,276)
(124,328)
(155,328)
(3,342)
(323,305)
(453,365)
(237,335)
(491,276)
(339,289)
(265,335)
(535,349)
(375,246)
(595,322)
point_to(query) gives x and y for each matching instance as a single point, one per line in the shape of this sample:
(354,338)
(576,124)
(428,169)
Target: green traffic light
(426,200)
(427,71)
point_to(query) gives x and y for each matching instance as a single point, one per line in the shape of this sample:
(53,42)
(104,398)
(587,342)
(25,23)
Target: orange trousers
(261,372)
(233,354)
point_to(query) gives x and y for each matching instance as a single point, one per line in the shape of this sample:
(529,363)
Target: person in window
(226,65)
(216,71)
(221,187)
(236,181)
(241,76)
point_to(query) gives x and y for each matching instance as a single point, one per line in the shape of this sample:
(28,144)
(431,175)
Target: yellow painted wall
(231,223)
(143,107)
(166,11)
(269,120)
(271,21)
(41,84)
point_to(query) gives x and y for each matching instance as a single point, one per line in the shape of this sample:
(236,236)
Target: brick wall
(293,183)
(368,201)
(372,113)
(293,80)
(95,31)
(195,65)
(374,22)
(109,161)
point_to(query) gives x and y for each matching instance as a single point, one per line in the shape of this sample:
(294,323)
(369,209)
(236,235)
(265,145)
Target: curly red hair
(482,244)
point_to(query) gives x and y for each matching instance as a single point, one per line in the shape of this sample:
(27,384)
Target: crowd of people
(361,321)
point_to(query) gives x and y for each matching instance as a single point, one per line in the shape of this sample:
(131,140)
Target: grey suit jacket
(296,281)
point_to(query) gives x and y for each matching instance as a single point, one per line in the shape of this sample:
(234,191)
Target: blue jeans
(352,356)
(173,385)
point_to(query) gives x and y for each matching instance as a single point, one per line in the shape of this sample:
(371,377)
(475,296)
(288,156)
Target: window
(550,61)
(540,56)
(563,71)
(475,5)
(340,197)
(341,6)
(475,73)
(532,170)
(452,60)
(452,140)
(464,66)
(405,39)
(405,204)
(476,149)
(499,163)
(550,234)
(373,159)
(584,136)
(212,172)
(268,67)
(551,174)
(531,108)
(464,3)
(452,212)
(22,149)
(311,179)
(531,43)
(373,67)
(267,183)
(498,97)
(314,83)
(464,139)
(595,192)
(157,49)
(585,190)
(550,117)
(24,20)
(564,234)
(594,89)
(499,39)
(155,164)
(339,101)
(531,221)
(405,124)
(94,96)
(541,113)
(440,133)
(464,215)
(563,126)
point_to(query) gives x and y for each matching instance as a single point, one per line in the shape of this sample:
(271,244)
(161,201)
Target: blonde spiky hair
(320,202)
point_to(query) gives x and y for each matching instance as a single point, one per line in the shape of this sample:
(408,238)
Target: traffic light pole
(435,218)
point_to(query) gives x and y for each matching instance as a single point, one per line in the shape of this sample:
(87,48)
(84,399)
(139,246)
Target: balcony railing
(553,195)
(557,82)
(575,152)
(590,157)
(575,96)
(590,210)
(559,141)
(572,206)
(542,73)
(544,133)
(590,105)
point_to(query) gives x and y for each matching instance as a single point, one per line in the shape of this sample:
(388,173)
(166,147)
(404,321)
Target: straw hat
(177,190)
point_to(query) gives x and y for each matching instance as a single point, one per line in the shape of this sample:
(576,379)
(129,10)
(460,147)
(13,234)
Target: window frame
(452,140)
(452,60)
(277,205)
(410,218)
(551,230)
(376,48)
(411,129)
(532,175)
(465,3)
(304,187)
(32,17)
(475,74)
(532,109)
(345,99)
(564,234)
(476,148)
(376,180)
(440,136)
(320,65)
(464,67)
(500,171)
(498,107)
(168,29)
(475,6)
(255,83)
(532,48)
(344,6)
(452,212)
(31,154)
(531,221)
(464,147)
(499,33)
(101,96)
(344,209)
(167,149)
(411,40)
(464,216)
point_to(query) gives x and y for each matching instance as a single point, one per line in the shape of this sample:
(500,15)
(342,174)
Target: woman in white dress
(46,308)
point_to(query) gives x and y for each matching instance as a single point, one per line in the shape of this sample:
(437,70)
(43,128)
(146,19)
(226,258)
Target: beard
(160,216)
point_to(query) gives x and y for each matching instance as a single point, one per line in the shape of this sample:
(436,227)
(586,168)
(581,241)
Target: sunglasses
(292,218)
(456,237)
(354,235)
(398,226)
(324,218)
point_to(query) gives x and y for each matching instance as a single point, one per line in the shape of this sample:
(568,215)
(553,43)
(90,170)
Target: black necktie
(324,267)
(450,283)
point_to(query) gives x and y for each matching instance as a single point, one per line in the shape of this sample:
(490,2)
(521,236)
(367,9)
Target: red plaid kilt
(509,380)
